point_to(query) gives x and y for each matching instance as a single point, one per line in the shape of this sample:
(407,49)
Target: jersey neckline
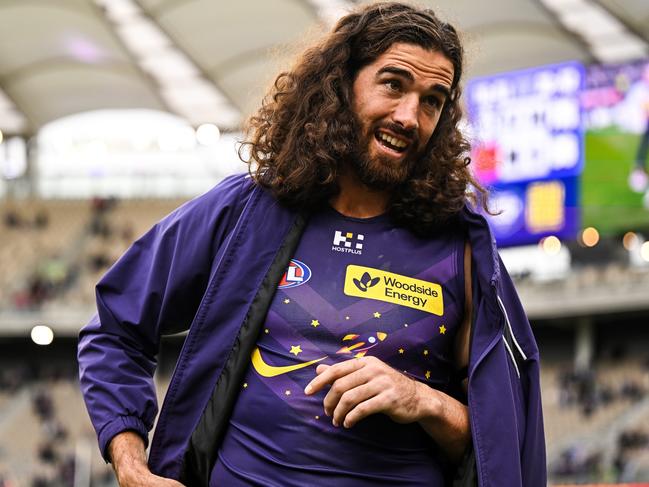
(382,218)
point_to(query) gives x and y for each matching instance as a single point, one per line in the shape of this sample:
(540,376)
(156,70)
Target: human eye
(433,101)
(392,84)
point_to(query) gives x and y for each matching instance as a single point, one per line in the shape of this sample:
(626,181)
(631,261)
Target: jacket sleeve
(533,451)
(155,288)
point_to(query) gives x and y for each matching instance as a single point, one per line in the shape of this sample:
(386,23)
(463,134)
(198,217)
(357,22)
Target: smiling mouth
(393,143)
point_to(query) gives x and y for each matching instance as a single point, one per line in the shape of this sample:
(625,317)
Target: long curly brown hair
(305,129)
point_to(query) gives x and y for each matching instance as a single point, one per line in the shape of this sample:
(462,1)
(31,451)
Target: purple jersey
(355,287)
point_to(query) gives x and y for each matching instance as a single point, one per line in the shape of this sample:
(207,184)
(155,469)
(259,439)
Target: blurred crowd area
(45,437)
(53,253)
(597,421)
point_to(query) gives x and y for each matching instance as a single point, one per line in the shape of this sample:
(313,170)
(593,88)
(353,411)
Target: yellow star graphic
(287,392)
(406,325)
(401,350)
(286,301)
(442,329)
(425,352)
(377,314)
(317,417)
(346,317)
(427,374)
(266,330)
(295,350)
(314,323)
(245,385)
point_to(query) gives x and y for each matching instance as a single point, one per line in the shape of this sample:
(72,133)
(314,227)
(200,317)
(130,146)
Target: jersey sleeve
(154,289)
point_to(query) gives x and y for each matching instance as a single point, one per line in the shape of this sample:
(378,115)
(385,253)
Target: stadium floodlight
(590,237)
(644,251)
(42,335)
(207,134)
(631,241)
(551,245)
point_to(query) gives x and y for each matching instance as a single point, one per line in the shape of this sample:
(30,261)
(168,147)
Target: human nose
(406,112)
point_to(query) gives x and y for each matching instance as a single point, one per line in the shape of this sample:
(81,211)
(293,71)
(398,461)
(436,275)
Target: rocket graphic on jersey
(360,344)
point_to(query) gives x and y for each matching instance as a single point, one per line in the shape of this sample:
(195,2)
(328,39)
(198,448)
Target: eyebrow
(438,87)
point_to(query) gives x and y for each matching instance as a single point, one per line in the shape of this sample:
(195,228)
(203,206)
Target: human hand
(128,457)
(146,479)
(364,386)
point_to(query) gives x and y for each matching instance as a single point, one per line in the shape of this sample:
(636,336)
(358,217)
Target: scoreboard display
(528,148)
(615,185)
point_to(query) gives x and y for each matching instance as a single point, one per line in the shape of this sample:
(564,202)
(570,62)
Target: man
(332,298)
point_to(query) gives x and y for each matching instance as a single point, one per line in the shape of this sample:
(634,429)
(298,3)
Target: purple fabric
(202,266)
(154,288)
(312,317)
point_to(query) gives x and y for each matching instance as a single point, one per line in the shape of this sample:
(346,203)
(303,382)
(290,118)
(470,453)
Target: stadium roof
(209,61)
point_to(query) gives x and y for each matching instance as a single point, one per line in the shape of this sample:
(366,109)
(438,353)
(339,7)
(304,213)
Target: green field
(608,203)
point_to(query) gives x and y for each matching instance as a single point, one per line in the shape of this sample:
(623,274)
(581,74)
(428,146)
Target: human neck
(357,200)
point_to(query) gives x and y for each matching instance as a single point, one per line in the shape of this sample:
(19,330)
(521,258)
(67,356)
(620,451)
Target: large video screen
(528,149)
(615,185)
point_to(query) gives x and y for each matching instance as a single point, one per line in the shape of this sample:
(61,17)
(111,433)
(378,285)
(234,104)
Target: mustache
(409,134)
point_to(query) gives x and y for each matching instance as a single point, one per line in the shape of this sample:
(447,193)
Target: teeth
(393,140)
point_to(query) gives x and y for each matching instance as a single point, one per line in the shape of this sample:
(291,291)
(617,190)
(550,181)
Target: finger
(331,374)
(341,386)
(373,405)
(351,399)
(321,368)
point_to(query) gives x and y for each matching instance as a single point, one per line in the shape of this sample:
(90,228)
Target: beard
(378,171)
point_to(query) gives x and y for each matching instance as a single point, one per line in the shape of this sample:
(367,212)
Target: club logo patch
(348,242)
(297,273)
(366,282)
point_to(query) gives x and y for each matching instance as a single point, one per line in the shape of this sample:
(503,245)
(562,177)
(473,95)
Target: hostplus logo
(348,242)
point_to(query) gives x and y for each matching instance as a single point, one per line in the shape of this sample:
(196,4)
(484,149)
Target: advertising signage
(535,209)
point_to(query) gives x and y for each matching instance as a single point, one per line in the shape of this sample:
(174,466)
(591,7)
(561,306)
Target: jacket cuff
(119,425)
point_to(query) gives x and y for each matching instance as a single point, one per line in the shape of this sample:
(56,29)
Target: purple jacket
(212,267)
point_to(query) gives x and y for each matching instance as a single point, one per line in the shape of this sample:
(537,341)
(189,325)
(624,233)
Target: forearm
(445,420)
(128,457)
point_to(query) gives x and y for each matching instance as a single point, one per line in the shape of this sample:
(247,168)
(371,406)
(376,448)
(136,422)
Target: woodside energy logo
(367,282)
